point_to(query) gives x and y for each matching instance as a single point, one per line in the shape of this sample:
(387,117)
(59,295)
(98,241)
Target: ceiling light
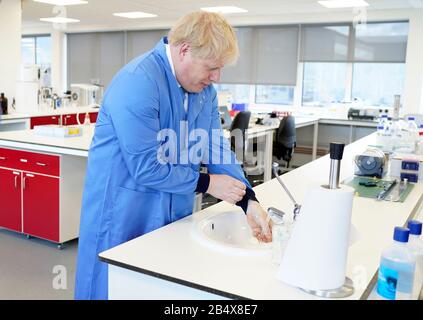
(134,15)
(62,2)
(343,3)
(224,9)
(59,20)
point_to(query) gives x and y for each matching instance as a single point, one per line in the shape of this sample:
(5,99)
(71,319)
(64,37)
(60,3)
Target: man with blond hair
(158,123)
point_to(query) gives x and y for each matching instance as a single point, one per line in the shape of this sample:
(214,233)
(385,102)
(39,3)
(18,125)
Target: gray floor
(35,269)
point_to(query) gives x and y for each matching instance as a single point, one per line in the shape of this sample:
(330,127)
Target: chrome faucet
(297,207)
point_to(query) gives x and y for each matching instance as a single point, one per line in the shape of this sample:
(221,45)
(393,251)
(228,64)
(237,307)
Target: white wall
(413,91)
(10,53)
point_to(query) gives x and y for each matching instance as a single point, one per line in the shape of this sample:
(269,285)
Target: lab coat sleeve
(221,160)
(133,103)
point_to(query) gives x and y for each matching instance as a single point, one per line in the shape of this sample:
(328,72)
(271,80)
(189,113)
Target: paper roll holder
(336,153)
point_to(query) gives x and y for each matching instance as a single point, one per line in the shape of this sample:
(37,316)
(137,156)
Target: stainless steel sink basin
(229,232)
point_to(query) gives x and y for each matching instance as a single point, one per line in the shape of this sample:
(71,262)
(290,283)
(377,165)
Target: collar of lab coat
(196,100)
(169,59)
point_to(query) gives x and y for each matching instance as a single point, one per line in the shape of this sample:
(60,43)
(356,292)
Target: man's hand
(226,188)
(259,221)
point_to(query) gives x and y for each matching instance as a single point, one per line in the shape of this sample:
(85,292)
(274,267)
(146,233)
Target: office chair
(286,140)
(238,127)
(240,122)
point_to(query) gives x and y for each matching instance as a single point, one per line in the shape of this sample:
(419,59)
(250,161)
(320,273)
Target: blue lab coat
(127,191)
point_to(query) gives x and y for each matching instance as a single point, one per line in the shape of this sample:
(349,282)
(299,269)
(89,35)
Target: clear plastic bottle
(415,244)
(412,133)
(396,270)
(419,143)
(402,137)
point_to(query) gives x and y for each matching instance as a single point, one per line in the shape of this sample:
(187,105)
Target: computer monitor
(225,117)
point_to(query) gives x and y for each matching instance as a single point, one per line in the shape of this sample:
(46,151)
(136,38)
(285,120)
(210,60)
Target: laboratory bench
(65,116)
(70,154)
(170,262)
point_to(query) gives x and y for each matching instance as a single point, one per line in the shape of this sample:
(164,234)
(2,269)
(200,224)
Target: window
(37,50)
(377,83)
(261,94)
(240,92)
(323,83)
(274,95)
(28,50)
(43,52)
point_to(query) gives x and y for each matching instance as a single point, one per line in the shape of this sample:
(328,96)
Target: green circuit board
(374,188)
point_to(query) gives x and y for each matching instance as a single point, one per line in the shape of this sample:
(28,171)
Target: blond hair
(209,35)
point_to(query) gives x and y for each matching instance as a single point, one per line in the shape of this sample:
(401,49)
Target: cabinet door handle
(23,160)
(41,164)
(24,180)
(17,175)
(3,158)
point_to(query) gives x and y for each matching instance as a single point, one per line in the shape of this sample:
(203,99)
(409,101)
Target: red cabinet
(93,117)
(29,193)
(69,120)
(41,194)
(65,119)
(10,199)
(38,121)
(41,206)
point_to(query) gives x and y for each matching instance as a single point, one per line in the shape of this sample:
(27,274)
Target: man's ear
(184,48)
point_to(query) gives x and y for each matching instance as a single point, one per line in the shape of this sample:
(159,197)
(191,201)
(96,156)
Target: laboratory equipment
(28,89)
(46,98)
(86,94)
(371,163)
(380,189)
(316,255)
(396,270)
(406,167)
(54,130)
(368,113)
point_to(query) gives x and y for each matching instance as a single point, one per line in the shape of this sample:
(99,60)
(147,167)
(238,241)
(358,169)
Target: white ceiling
(97,14)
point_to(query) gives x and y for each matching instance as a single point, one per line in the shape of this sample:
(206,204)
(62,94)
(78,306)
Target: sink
(229,232)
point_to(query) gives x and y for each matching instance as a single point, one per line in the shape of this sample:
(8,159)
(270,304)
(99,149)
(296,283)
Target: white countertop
(26,139)
(60,111)
(171,252)
(29,140)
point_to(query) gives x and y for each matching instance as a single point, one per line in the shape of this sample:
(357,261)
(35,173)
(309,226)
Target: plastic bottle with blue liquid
(415,244)
(396,269)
